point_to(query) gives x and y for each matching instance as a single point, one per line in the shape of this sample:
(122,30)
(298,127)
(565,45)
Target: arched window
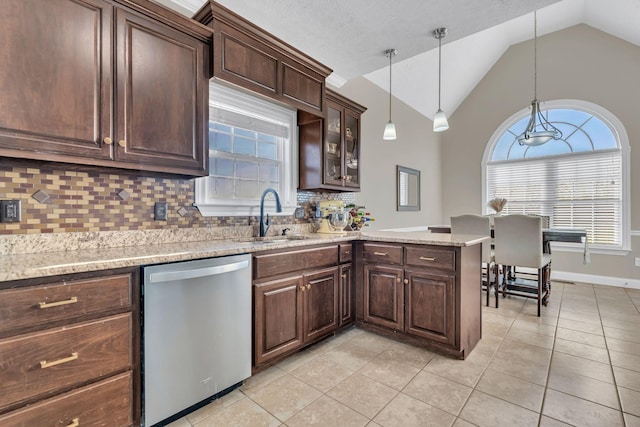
(580,180)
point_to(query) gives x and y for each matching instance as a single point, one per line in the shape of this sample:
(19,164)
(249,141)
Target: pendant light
(538,130)
(390,129)
(440,122)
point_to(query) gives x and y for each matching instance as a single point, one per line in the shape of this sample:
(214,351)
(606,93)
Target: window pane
(602,136)
(244,146)
(247,170)
(221,167)
(269,173)
(247,190)
(222,187)
(220,141)
(220,127)
(267,150)
(266,137)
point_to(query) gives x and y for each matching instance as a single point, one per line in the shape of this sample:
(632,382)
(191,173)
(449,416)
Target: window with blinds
(577,181)
(251,148)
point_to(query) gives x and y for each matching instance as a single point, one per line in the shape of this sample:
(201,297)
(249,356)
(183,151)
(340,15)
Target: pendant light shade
(538,131)
(390,129)
(440,122)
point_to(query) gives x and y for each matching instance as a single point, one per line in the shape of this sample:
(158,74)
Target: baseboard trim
(622,282)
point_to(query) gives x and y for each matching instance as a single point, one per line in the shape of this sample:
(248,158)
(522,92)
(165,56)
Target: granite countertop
(31,265)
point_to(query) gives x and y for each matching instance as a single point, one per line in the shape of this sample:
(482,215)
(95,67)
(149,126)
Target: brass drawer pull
(44,364)
(71,300)
(122,143)
(406,281)
(380,253)
(427,258)
(107,140)
(74,423)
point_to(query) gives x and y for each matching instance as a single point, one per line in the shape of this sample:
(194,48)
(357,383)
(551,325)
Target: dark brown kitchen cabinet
(294,311)
(437,292)
(330,146)
(70,349)
(384,296)
(104,84)
(296,299)
(250,57)
(277,318)
(430,295)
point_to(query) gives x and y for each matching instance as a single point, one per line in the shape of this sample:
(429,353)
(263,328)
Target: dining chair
(518,243)
(480,225)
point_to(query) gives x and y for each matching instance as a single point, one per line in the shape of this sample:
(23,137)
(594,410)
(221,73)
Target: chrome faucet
(264,224)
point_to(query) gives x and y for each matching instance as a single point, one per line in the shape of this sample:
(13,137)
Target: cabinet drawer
(346,252)
(41,305)
(106,403)
(428,257)
(377,252)
(45,362)
(270,264)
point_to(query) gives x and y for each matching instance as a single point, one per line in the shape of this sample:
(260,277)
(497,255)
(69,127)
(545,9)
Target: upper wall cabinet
(93,82)
(330,147)
(248,56)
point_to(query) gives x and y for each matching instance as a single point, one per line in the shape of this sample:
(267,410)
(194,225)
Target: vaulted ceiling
(351,36)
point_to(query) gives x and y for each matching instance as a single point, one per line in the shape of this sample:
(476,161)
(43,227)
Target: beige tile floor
(578,364)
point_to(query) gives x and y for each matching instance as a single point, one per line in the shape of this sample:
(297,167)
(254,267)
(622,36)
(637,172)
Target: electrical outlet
(160,211)
(10,211)
(637,262)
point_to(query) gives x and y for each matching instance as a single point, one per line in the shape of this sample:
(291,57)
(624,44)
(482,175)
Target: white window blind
(578,190)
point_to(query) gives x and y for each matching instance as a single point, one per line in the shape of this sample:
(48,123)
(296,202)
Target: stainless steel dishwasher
(196,333)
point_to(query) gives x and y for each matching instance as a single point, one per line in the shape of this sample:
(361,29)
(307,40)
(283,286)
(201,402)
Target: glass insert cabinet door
(333,169)
(351,150)
(342,148)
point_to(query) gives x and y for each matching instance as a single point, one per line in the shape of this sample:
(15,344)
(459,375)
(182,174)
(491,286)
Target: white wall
(416,147)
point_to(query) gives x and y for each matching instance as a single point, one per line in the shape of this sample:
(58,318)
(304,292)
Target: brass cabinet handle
(74,423)
(344,276)
(303,288)
(107,140)
(398,280)
(308,286)
(122,143)
(427,258)
(406,281)
(44,364)
(71,300)
(380,253)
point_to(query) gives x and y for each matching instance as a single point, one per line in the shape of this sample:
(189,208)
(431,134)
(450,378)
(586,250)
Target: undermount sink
(274,239)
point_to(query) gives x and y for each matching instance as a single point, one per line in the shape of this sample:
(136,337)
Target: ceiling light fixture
(440,122)
(390,129)
(538,130)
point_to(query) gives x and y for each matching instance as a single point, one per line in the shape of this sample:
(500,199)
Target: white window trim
(616,127)
(242,102)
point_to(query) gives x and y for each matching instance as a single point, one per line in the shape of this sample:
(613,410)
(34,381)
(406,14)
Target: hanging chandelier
(538,130)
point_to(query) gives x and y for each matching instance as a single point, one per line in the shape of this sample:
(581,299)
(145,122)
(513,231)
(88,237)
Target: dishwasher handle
(168,276)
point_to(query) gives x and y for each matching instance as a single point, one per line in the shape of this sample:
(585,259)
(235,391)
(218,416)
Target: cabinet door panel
(346,294)
(321,303)
(430,306)
(302,88)
(277,318)
(55,78)
(383,296)
(160,92)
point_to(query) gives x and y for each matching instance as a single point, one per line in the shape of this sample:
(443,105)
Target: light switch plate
(160,211)
(10,211)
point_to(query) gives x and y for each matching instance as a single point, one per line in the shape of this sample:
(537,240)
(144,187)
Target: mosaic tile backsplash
(62,201)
